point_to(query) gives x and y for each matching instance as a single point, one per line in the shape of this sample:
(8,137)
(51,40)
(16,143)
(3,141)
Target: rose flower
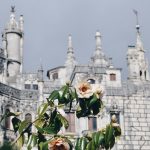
(58,144)
(98,90)
(84,90)
(114,121)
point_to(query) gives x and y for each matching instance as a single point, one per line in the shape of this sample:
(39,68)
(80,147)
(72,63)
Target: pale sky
(47,24)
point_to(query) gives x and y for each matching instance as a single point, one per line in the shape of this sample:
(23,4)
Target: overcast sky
(48,23)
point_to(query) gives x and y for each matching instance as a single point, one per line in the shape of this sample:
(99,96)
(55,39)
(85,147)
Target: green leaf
(117,131)
(64,90)
(20,141)
(41,130)
(63,120)
(23,125)
(91,146)
(109,137)
(73,93)
(54,95)
(98,138)
(81,143)
(96,108)
(53,115)
(44,145)
(16,122)
(93,101)
(39,122)
(42,109)
(32,141)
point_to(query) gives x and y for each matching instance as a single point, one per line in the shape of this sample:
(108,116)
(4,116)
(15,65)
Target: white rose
(84,90)
(98,90)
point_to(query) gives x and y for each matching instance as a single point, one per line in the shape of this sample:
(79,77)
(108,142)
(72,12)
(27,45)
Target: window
(91,81)
(92,123)
(112,77)
(28,117)
(35,87)
(145,74)
(117,114)
(55,75)
(140,73)
(7,120)
(27,86)
(71,119)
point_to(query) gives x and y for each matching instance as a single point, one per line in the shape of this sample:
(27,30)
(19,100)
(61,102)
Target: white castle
(129,100)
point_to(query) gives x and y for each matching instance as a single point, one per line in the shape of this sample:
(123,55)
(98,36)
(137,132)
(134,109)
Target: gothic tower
(136,62)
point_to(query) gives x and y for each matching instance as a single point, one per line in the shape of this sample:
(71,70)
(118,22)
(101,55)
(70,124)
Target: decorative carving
(29,94)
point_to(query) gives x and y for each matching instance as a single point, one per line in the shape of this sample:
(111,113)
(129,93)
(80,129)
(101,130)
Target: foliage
(50,121)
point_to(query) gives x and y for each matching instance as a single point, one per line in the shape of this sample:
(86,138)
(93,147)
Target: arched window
(117,114)
(7,120)
(140,73)
(91,81)
(55,76)
(112,77)
(28,117)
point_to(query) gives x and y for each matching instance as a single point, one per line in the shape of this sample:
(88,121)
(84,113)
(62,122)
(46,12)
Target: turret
(137,64)
(40,84)
(14,47)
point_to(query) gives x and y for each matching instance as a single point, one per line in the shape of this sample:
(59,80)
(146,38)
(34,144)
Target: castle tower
(13,34)
(40,84)
(137,64)
(99,58)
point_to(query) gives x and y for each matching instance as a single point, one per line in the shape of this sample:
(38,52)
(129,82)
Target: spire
(70,53)
(21,22)
(12,23)
(98,41)
(139,44)
(40,71)
(12,9)
(99,57)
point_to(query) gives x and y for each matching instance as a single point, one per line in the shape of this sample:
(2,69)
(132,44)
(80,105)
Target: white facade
(129,100)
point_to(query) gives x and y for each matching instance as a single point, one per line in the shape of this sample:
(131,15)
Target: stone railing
(18,94)
(9,91)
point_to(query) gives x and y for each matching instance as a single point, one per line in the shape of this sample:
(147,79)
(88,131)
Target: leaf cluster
(49,122)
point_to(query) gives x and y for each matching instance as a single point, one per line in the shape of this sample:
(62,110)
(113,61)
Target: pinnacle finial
(70,61)
(70,41)
(12,9)
(137,20)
